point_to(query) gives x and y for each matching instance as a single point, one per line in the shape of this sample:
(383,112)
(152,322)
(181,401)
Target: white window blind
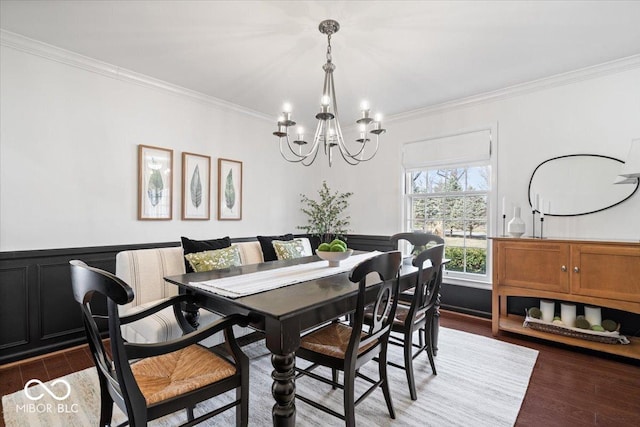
(471,146)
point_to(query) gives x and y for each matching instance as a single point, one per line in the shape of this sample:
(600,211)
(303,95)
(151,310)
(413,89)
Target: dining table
(284,312)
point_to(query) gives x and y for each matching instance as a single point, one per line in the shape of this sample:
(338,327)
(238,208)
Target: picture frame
(196,186)
(229,189)
(155,183)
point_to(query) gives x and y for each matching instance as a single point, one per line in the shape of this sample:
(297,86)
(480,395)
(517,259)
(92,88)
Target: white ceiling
(399,55)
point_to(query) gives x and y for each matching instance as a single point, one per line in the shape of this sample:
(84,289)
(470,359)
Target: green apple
(324,247)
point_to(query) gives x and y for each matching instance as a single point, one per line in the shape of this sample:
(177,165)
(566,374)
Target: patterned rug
(480,382)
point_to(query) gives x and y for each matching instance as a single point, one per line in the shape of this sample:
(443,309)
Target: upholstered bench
(144,270)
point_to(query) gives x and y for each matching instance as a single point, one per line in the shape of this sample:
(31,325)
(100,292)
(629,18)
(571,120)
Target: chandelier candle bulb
(548,309)
(324,104)
(363,134)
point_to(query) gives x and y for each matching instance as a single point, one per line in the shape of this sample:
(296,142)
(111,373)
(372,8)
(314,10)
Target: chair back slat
(387,267)
(428,279)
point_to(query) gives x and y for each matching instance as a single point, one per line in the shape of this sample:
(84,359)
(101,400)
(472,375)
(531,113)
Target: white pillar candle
(593,315)
(568,314)
(504,206)
(548,309)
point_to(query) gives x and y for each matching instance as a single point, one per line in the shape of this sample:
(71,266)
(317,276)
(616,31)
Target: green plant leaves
(196,188)
(229,191)
(155,187)
(326,216)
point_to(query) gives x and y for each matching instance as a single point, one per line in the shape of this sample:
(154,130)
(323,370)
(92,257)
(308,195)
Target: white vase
(516,225)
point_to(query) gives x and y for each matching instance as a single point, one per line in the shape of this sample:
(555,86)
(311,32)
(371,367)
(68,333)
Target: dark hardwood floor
(568,387)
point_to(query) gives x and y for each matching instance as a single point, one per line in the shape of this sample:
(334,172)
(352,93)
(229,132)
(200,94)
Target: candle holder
(533,223)
(504,222)
(541,226)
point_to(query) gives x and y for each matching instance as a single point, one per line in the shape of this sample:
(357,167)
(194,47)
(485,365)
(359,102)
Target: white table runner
(261,281)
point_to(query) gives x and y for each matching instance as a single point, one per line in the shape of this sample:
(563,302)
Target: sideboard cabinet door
(541,266)
(606,271)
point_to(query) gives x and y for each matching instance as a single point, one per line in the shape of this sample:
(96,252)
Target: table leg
(435,326)
(192,314)
(284,389)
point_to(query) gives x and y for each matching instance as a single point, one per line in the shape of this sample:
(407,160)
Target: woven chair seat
(401,315)
(172,374)
(332,340)
(402,312)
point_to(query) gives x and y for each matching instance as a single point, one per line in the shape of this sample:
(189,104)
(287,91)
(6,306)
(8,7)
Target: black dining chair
(421,241)
(418,316)
(347,347)
(148,381)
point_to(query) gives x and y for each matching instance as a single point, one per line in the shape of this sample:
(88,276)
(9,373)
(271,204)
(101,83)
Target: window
(448,192)
(452,203)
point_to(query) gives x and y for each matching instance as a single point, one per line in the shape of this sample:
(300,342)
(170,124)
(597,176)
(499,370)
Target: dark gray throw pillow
(268,253)
(190,246)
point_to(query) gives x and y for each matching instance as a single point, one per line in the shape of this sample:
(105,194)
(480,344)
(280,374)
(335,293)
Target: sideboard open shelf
(600,273)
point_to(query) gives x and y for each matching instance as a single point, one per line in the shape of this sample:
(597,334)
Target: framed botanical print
(196,186)
(229,189)
(155,183)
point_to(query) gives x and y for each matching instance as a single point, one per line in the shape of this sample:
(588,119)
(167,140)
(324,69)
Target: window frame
(474,280)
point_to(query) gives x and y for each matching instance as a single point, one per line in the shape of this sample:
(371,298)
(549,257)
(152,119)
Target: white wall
(599,115)
(69,136)
(68,158)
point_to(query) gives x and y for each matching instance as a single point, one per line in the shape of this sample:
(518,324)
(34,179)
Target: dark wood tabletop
(283,314)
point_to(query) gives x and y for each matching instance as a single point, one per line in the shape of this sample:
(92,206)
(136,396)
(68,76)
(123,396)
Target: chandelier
(328,132)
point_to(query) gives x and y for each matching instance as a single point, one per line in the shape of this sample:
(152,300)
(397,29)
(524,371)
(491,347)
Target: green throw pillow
(215,259)
(288,249)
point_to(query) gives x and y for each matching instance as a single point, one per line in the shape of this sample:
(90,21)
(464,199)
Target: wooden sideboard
(599,273)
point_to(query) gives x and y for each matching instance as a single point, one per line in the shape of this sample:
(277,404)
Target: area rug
(480,382)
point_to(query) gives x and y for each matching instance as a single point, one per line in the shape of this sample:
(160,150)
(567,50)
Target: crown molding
(53,53)
(63,56)
(587,73)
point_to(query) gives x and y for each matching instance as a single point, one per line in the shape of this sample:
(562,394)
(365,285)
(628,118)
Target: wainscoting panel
(14,314)
(59,313)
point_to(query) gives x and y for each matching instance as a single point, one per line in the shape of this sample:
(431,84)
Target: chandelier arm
(313,159)
(291,148)
(349,159)
(375,151)
(332,88)
(344,150)
(298,158)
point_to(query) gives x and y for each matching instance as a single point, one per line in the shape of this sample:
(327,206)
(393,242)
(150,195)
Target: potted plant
(326,218)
